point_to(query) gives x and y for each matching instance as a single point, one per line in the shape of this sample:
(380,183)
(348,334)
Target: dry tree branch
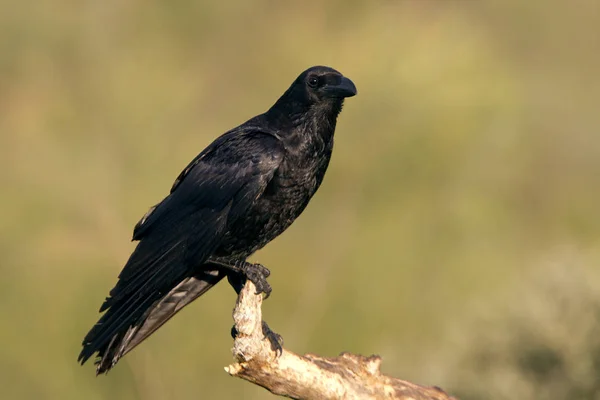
(261,360)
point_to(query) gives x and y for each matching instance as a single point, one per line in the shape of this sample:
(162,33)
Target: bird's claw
(275,339)
(257,274)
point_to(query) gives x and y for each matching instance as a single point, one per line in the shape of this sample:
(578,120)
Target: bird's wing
(220,183)
(180,233)
(227,151)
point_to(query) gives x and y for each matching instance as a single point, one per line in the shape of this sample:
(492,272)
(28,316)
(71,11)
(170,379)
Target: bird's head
(321,89)
(324,84)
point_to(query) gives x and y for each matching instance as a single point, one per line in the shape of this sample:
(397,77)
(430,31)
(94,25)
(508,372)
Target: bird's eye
(313,81)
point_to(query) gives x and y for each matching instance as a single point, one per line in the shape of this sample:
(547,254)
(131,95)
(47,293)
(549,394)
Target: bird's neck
(320,120)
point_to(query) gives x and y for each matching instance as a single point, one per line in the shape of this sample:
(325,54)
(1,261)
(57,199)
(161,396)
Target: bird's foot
(255,273)
(274,338)
(258,274)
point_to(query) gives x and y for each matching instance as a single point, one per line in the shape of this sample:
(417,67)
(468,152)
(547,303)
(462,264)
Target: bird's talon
(267,294)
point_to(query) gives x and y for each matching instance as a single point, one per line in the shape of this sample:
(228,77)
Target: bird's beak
(345,88)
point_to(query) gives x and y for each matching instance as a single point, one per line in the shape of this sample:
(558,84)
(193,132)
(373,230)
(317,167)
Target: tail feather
(183,294)
(124,326)
(123,311)
(162,275)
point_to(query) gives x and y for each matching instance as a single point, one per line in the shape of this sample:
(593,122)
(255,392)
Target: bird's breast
(282,201)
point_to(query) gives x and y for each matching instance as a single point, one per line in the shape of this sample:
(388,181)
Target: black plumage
(237,195)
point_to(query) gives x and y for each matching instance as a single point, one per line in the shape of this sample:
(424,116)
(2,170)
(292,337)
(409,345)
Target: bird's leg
(237,280)
(256,273)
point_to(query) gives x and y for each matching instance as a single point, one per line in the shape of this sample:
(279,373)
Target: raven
(236,196)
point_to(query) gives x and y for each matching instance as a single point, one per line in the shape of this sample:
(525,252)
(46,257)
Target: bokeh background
(457,233)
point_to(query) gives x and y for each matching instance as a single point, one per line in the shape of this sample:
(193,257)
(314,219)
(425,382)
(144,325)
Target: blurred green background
(456,234)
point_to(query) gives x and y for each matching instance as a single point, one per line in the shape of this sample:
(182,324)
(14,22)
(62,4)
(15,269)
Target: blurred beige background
(456,234)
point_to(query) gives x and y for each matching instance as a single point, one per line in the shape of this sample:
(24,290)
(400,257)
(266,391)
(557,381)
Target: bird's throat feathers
(318,117)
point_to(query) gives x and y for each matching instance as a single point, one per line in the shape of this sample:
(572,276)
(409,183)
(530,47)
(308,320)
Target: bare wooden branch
(261,360)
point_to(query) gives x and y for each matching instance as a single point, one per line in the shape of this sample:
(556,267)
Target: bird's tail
(126,325)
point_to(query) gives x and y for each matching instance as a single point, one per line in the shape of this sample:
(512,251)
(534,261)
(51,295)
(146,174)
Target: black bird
(236,196)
